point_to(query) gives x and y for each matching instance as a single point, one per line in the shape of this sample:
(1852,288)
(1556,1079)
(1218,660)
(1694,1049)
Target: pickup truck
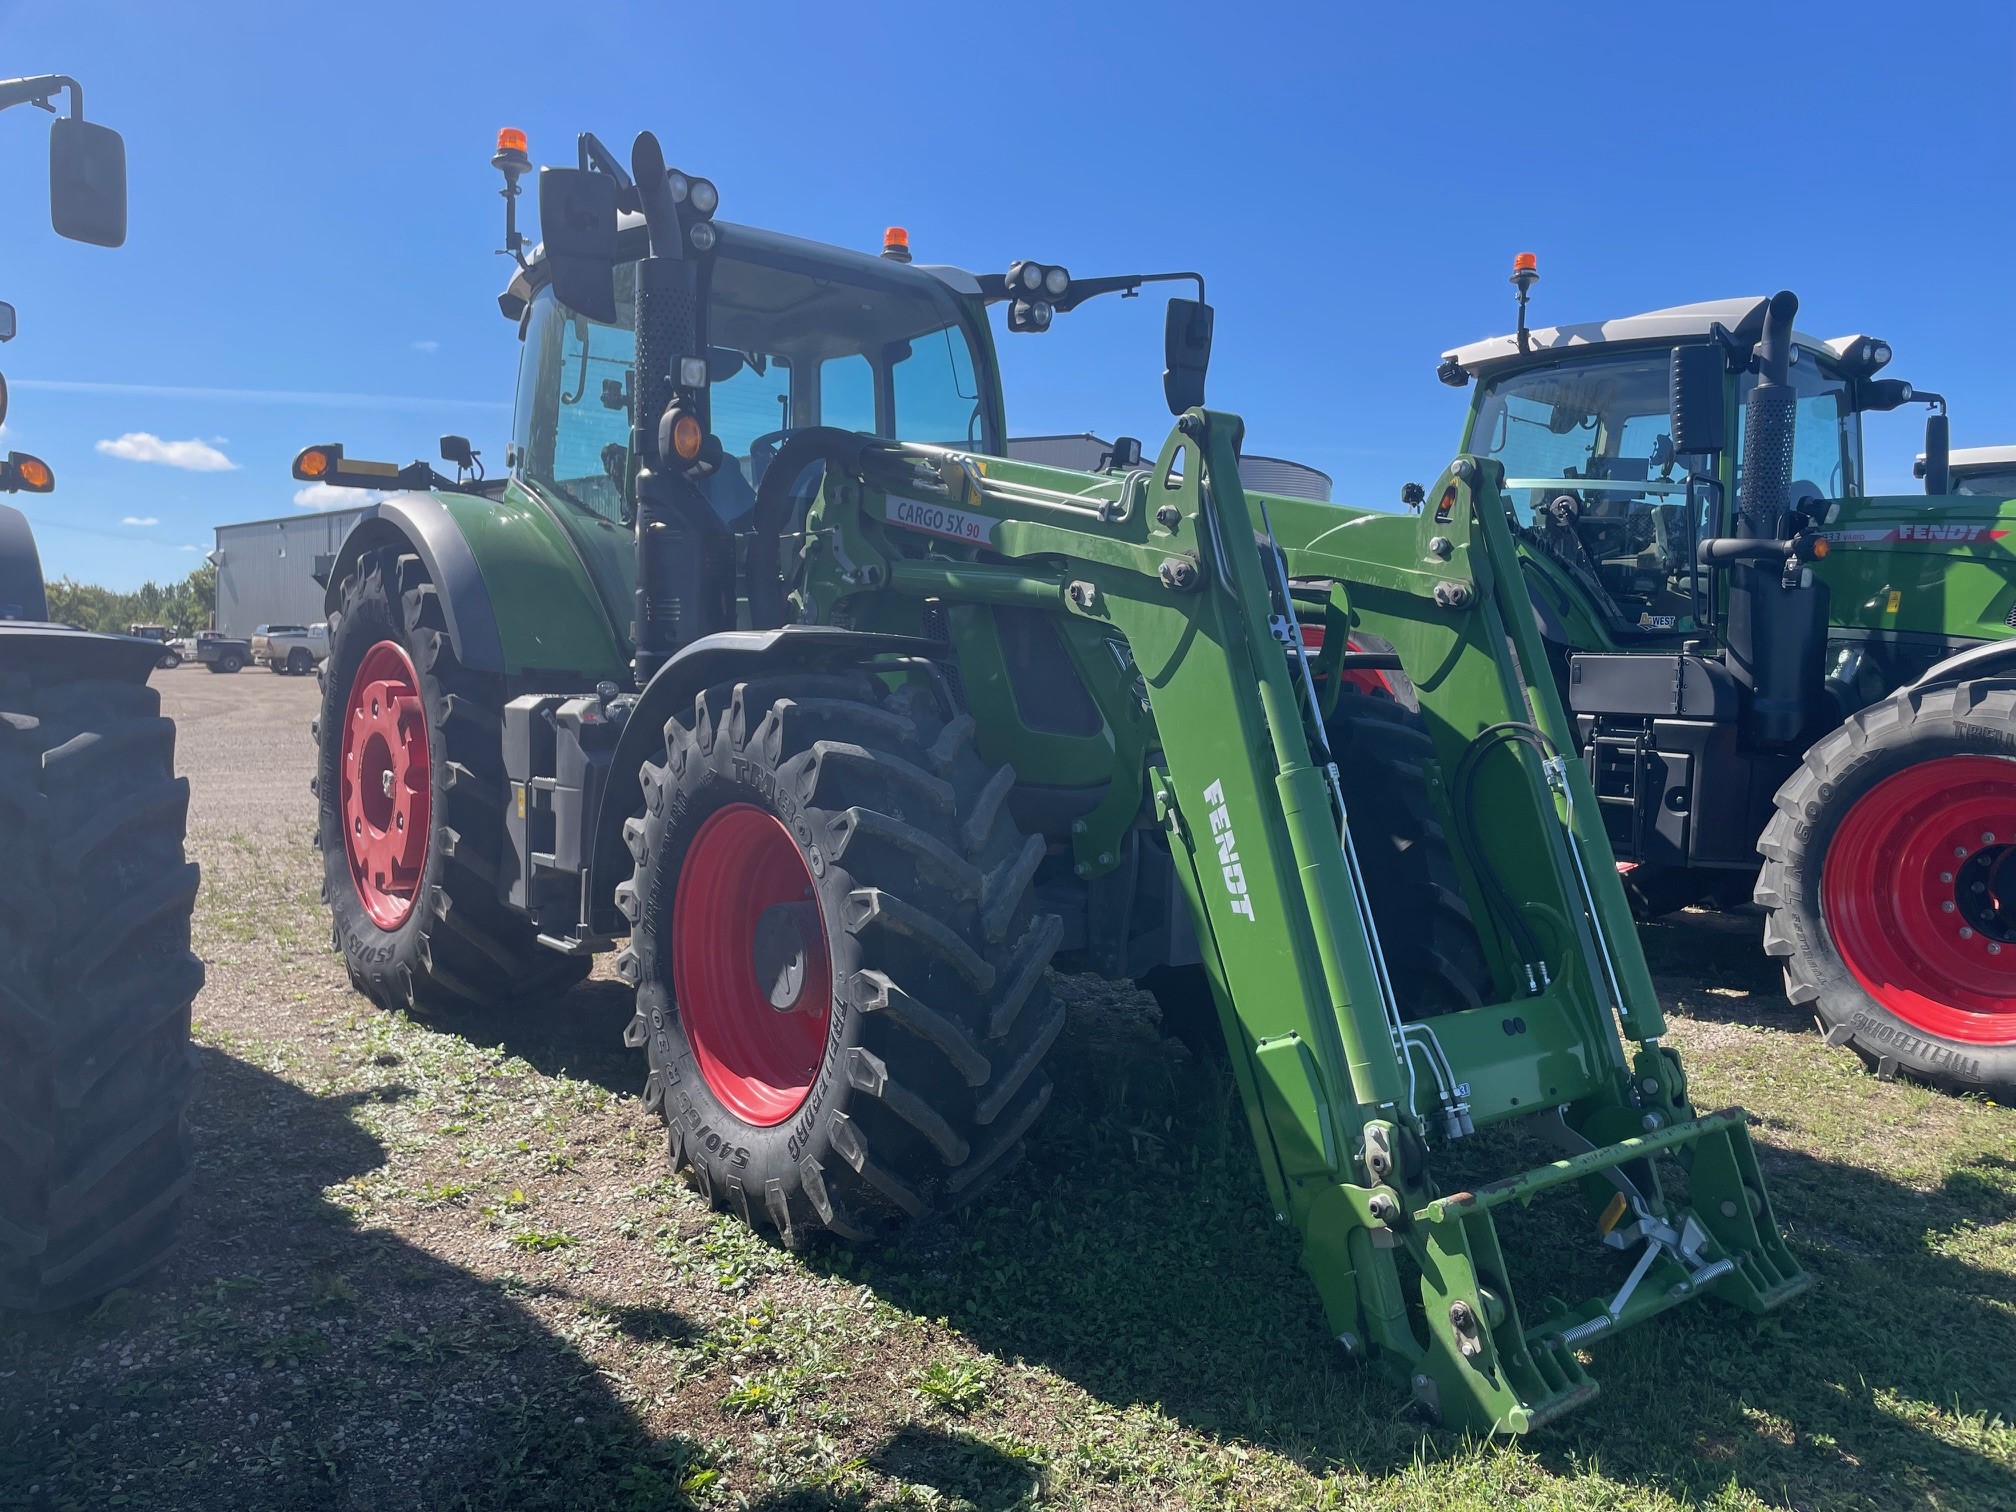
(222,653)
(171,651)
(292,649)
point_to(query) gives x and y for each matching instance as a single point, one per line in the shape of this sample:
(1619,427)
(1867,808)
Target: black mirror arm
(38,90)
(994,287)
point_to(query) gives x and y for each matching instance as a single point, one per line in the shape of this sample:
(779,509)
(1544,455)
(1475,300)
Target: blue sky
(313,212)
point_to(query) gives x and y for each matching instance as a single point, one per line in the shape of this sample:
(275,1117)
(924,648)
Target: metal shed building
(266,568)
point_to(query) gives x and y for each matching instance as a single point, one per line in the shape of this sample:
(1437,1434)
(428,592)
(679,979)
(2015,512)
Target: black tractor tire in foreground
(96,979)
(457,945)
(922,1018)
(1433,953)
(1890,883)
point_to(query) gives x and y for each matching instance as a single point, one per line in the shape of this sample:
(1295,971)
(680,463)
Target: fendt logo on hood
(1228,850)
(1940,533)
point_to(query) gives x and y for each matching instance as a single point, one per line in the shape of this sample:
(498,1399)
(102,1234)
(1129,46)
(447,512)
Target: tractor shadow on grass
(1135,1253)
(579,1035)
(381,1374)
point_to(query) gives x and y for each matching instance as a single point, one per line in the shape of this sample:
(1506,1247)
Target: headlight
(1056,281)
(1879,354)
(703,236)
(1032,277)
(705,196)
(680,184)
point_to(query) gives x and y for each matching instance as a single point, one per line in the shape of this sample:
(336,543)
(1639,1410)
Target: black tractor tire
(96,979)
(459,946)
(939,1015)
(1426,932)
(299,663)
(1912,731)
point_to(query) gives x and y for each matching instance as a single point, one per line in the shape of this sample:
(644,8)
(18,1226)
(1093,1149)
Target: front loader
(841,740)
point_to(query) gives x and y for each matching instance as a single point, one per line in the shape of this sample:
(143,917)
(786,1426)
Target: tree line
(184,607)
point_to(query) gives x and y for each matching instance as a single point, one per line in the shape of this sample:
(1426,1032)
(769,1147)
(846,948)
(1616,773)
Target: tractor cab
(1611,511)
(1981,472)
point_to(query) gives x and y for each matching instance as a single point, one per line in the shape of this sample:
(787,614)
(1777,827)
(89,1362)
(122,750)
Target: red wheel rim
(387,779)
(1918,893)
(742,889)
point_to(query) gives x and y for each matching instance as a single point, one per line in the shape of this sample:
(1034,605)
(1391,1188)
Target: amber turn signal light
(26,474)
(314,463)
(687,437)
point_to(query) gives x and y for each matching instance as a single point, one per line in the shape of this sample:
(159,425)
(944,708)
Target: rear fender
(21,592)
(420,523)
(730,655)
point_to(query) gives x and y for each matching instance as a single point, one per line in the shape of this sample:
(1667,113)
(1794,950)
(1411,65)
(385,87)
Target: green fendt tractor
(1764,659)
(841,741)
(96,974)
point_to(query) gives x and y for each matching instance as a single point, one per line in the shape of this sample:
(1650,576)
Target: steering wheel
(763,451)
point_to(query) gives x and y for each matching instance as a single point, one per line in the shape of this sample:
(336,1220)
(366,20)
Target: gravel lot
(442,1264)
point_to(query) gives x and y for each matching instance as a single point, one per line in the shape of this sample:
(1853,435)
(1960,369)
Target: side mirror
(577,220)
(1700,423)
(87,182)
(1186,353)
(6,321)
(1938,472)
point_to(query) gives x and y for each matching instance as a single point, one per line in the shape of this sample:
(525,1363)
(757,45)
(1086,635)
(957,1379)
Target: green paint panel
(549,614)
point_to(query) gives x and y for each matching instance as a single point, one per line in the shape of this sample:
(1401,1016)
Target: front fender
(712,659)
(1990,659)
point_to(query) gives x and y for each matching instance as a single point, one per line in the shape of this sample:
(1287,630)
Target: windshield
(1987,483)
(796,342)
(1592,479)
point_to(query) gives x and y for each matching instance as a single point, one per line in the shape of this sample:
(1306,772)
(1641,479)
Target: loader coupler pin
(1482,1367)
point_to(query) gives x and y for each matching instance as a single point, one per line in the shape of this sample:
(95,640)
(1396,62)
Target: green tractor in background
(1766,664)
(840,741)
(96,973)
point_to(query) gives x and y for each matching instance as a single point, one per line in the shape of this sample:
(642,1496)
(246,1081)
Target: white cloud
(192,548)
(429,347)
(139,520)
(191,455)
(329,496)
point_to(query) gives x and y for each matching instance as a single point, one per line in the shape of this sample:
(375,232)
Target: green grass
(445,1267)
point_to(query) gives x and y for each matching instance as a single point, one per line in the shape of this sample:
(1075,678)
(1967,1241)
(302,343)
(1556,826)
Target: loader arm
(1350,1105)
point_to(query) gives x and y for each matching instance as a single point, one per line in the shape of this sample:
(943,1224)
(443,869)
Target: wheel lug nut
(1987,839)
(1947,906)
(1993,948)
(1945,876)
(1966,933)
(1960,851)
